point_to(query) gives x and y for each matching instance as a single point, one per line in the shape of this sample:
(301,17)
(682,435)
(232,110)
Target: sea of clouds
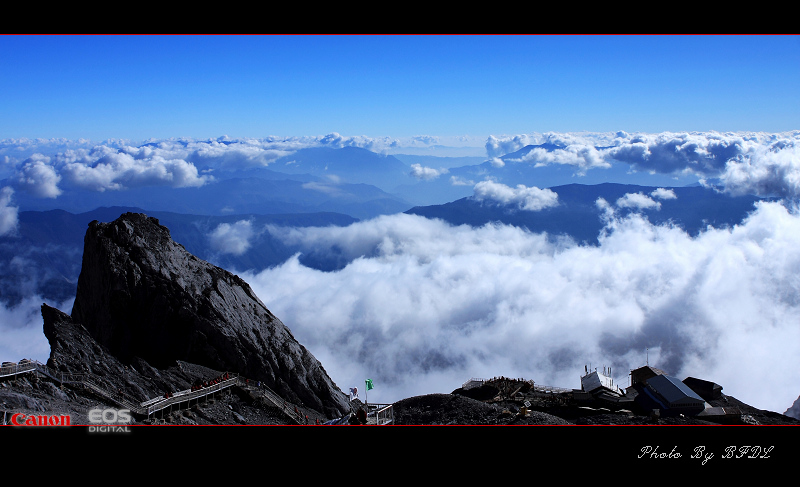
(423,306)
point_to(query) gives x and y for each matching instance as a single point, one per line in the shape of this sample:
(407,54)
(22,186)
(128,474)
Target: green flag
(369,384)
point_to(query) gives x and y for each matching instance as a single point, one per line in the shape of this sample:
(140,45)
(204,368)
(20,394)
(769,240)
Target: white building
(596,382)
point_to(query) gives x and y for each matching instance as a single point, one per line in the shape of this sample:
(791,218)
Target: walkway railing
(289,409)
(159,404)
(541,388)
(22,367)
(380,414)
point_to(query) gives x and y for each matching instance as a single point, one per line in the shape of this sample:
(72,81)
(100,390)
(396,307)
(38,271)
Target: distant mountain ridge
(347,180)
(578,216)
(348,164)
(517,168)
(350,180)
(232,196)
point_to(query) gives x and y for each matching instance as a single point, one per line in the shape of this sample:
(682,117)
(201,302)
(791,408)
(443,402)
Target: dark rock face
(794,411)
(452,409)
(143,296)
(74,351)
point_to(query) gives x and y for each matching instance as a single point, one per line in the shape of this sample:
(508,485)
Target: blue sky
(139,87)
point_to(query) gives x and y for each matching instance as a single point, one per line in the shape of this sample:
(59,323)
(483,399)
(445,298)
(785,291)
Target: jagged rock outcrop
(142,296)
(74,351)
(794,410)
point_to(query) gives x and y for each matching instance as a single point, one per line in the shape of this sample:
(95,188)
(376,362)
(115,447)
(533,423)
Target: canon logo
(21,419)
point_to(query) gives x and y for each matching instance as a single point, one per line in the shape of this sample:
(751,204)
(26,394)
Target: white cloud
(638,201)
(106,169)
(669,152)
(239,155)
(525,198)
(118,165)
(664,194)
(37,177)
(426,173)
(234,238)
(459,181)
(581,156)
(497,162)
(331,188)
(8,213)
(502,145)
(423,306)
(505,144)
(424,140)
(773,170)
(23,148)
(745,162)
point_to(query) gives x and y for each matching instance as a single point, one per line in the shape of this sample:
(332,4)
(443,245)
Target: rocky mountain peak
(142,296)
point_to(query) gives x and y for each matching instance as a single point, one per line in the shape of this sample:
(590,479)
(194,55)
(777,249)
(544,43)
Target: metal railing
(9,370)
(380,414)
(290,410)
(551,389)
(472,383)
(187,395)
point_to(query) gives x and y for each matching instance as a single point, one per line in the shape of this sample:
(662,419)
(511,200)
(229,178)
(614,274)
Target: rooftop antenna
(647,350)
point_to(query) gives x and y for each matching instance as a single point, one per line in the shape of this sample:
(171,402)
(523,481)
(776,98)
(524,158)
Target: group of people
(208,383)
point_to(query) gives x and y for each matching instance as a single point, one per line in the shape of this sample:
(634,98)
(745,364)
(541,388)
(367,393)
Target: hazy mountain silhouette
(578,216)
(231,196)
(347,164)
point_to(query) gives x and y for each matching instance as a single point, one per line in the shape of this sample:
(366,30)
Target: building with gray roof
(676,396)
